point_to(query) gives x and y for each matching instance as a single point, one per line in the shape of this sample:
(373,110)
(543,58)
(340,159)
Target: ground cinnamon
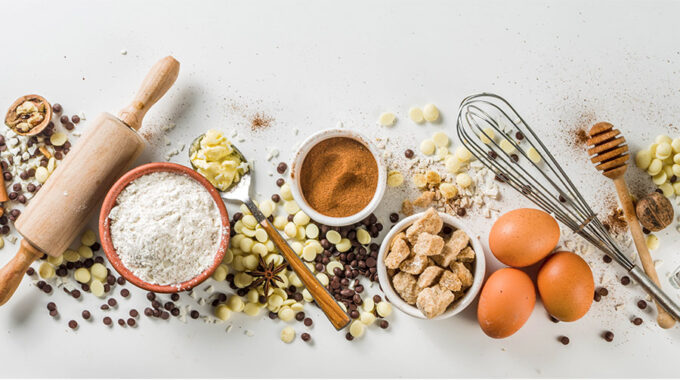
(339,177)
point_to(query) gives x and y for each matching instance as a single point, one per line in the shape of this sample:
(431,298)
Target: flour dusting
(165,228)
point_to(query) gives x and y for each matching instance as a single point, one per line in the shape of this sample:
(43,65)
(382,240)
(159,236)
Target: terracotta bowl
(105,231)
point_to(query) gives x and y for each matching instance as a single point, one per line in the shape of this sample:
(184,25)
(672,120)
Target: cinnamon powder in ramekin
(339,177)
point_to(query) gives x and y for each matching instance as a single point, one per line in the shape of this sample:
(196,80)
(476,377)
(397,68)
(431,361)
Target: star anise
(267,274)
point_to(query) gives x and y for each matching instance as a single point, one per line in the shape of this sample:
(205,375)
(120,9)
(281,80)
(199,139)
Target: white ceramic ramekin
(296,166)
(458,305)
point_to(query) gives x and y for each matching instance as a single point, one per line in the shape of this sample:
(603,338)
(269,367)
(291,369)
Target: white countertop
(310,65)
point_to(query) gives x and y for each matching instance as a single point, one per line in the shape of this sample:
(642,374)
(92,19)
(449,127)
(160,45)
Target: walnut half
(28,114)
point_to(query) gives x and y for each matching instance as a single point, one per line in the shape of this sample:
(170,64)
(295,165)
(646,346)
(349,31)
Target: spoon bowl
(240,191)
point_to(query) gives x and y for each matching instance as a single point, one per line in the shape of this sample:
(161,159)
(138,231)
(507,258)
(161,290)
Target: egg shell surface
(566,285)
(523,237)
(506,302)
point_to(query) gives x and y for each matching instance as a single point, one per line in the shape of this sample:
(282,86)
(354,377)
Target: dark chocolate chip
(281,167)
(408,153)
(564,340)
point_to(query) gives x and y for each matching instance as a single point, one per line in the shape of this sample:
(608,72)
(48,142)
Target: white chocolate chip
(441,139)
(384,308)
(222,312)
(46,270)
(430,112)
(287,334)
(386,119)
(333,237)
(394,178)
(652,242)
(416,115)
(427,147)
(643,158)
(462,154)
(533,155)
(363,237)
(88,238)
(58,138)
(97,288)
(463,180)
(357,329)
(82,275)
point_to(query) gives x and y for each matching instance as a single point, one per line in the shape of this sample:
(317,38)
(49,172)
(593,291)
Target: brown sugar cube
(428,245)
(399,252)
(430,222)
(434,300)
(458,240)
(450,281)
(425,199)
(429,276)
(467,255)
(463,274)
(405,285)
(414,265)
(407,208)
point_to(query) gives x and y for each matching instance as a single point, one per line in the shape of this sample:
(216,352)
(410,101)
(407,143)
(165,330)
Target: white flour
(165,228)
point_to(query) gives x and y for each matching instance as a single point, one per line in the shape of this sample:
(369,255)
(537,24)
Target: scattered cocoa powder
(614,222)
(260,121)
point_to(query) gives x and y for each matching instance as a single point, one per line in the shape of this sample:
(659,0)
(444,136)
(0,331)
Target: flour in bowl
(165,228)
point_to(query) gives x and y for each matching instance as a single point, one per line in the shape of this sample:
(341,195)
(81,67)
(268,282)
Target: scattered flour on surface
(165,228)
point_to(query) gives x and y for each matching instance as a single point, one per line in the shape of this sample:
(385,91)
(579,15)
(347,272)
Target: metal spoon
(240,191)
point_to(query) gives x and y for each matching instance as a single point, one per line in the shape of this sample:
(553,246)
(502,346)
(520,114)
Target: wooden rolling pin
(63,206)
(609,153)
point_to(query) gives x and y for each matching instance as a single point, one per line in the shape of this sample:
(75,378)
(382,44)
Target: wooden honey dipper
(609,153)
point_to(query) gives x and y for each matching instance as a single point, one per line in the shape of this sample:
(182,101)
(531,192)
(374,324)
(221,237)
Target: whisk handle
(659,295)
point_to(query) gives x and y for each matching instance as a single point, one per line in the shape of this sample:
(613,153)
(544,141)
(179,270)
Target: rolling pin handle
(156,83)
(13,272)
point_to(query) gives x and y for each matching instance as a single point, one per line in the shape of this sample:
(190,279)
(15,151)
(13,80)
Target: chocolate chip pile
(27,161)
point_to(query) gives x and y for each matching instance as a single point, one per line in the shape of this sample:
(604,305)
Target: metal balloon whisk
(490,128)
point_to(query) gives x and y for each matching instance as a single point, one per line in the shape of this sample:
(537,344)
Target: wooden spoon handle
(13,272)
(664,319)
(323,298)
(157,82)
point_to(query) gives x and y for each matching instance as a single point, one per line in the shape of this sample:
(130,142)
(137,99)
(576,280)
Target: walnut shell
(654,211)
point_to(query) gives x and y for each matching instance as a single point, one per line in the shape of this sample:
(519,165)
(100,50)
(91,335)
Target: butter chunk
(433,301)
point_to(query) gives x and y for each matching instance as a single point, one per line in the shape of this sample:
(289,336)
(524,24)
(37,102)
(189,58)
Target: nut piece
(457,242)
(430,223)
(27,113)
(430,276)
(433,301)
(428,245)
(405,285)
(399,252)
(654,211)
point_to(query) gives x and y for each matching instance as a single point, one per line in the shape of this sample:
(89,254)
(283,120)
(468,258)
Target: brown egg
(523,237)
(565,283)
(506,302)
